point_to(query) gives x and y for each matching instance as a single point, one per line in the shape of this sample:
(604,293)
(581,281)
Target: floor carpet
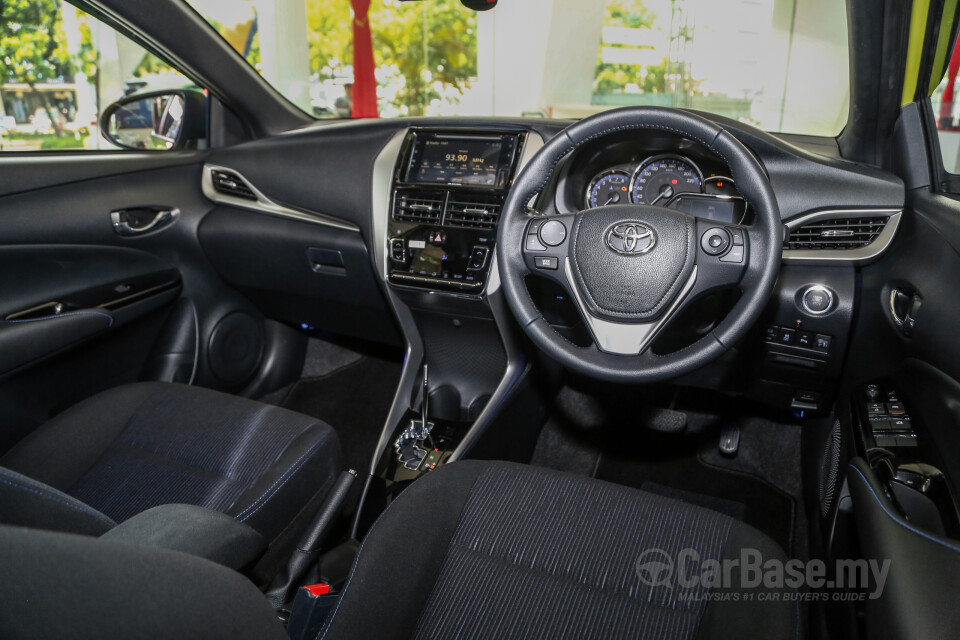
(354,400)
(594,432)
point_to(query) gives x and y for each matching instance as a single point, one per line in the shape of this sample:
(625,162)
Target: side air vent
(230,184)
(477,211)
(424,206)
(840,233)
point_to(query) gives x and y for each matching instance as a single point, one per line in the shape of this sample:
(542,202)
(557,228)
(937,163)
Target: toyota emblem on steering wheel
(631,238)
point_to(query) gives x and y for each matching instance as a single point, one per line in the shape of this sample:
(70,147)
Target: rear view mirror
(479,5)
(159,121)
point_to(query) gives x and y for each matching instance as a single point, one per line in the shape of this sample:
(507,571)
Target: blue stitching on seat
(289,474)
(64,315)
(73,505)
(896,519)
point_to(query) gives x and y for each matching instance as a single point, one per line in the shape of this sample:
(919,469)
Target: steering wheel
(631,269)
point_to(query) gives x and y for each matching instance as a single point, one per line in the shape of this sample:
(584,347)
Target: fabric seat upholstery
(147,444)
(499,550)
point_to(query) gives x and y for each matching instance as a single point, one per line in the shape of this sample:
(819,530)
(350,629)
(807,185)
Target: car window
(946,112)
(781,65)
(59,68)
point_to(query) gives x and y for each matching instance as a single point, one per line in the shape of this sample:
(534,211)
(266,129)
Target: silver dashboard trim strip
(382,189)
(263,204)
(847,256)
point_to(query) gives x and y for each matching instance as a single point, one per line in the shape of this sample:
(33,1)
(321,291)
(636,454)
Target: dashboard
(424,201)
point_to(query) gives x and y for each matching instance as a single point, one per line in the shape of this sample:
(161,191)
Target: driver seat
(501,550)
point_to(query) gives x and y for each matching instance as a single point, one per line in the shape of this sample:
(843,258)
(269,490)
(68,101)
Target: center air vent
(839,233)
(230,184)
(477,211)
(424,206)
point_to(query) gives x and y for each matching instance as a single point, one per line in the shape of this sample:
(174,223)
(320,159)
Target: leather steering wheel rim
(756,280)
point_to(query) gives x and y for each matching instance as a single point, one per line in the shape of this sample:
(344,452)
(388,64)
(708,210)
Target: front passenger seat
(142,445)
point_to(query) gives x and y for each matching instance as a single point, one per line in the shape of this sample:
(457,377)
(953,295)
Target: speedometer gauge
(610,187)
(661,178)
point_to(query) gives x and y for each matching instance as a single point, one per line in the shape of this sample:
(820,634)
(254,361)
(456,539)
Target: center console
(438,196)
(449,188)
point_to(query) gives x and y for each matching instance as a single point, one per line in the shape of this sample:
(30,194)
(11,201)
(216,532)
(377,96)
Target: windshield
(781,65)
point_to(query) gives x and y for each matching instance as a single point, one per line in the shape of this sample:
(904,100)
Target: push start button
(817,300)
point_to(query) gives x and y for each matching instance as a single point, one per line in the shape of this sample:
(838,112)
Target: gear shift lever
(408,451)
(425,405)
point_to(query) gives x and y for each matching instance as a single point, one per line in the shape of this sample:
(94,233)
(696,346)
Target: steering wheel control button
(737,234)
(533,243)
(478,258)
(735,254)
(817,300)
(552,233)
(715,241)
(546,262)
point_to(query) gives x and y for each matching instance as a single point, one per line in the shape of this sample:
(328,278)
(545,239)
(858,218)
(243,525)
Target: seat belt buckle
(309,611)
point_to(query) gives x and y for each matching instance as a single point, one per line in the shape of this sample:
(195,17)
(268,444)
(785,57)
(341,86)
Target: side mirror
(160,120)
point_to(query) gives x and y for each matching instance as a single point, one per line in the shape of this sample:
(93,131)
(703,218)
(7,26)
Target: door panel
(924,359)
(132,306)
(58,297)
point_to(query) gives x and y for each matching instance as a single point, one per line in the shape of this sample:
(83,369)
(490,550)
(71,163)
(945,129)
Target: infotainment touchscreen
(483,161)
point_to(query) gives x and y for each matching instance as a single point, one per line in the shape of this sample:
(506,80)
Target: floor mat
(672,461)
(354,400)
(731,508)
(593,433)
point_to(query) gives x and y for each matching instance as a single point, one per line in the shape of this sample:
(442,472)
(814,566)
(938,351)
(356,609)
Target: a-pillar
(284,50)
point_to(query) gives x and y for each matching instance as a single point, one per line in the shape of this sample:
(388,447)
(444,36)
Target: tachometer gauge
(661,178)
(610,187)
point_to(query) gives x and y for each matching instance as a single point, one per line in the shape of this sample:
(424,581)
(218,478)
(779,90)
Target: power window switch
(900,424)
(895,409)
(909,440)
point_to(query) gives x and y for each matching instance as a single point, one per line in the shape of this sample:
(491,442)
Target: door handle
(140,220)
(903,308)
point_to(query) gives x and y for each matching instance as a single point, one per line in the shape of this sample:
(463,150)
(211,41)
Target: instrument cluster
(669,180)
